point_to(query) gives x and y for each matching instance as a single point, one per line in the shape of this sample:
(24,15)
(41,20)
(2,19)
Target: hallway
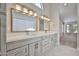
(62,51)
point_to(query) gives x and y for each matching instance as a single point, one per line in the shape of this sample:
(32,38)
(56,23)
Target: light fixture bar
(25,10)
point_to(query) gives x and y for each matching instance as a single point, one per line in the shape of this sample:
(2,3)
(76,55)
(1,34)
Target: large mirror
(22,22)
(44,25)
(41,25)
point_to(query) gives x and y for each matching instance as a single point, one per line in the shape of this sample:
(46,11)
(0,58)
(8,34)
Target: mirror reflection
(23,22)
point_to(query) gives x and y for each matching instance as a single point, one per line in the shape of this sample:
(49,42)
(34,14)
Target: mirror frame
(11,11)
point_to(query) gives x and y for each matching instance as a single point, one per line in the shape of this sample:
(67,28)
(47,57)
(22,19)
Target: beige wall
(54,17)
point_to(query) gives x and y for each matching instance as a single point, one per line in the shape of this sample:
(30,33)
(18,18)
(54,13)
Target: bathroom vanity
(36,42)
(32,46)
(14,40)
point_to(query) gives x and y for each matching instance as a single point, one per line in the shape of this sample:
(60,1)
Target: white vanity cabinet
(52,43)
(46,43)
(35,49)
(35,46)
(53,40)
(22,51)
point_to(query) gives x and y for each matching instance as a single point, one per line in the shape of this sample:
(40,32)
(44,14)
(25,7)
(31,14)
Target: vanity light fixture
(35,14)
(30,12)
(18,7)
(45,18)
(42,17)
(25,10)
(48,19)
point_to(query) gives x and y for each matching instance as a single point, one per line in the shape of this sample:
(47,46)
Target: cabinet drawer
(23,51)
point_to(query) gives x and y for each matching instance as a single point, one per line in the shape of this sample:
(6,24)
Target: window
(74,28)
(68,28)
(39,5)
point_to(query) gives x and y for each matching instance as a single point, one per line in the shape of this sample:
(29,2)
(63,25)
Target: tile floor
(62,51)
(67,48)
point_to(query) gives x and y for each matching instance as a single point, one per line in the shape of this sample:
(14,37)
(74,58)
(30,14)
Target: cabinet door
(46,42)
(23,51)
(54,40)
(35,49)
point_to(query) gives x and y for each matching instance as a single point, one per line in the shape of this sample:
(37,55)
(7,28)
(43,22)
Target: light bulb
(18,7)
(30,12)
(35,14)
(25,10)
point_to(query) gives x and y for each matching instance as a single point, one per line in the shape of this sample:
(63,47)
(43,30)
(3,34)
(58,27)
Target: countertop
(16,38)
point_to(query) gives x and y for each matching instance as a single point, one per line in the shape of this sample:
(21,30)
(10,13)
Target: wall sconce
(18,7)
(30,12)
(48,19)
(45,18)
(35,14)
(25,10)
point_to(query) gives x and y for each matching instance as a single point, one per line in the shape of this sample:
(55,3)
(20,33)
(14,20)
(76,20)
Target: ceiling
(68,13)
